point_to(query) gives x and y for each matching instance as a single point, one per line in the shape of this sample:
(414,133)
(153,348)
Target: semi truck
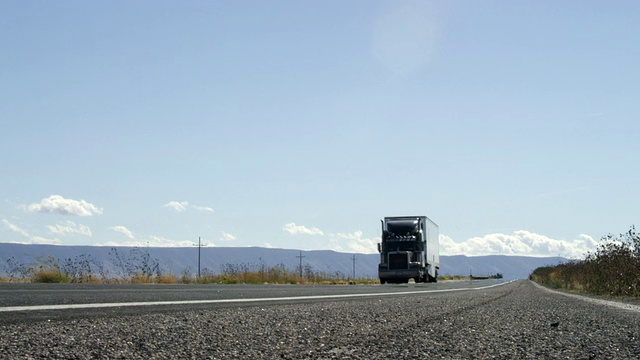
(408,250)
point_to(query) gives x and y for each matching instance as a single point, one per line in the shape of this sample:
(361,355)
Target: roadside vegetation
(135,267)
(279,274)
(138,267)
(613,269)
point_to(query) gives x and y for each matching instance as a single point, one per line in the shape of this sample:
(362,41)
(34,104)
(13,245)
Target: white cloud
(521,242)
(160,241)
(14,228)
(42,241)
(335,245)
(124,231)
(182,206)
(226,237)
(56,204)
(353,242)
(70,228)
(177,206)
(151,241)
(294,229)
(341,242)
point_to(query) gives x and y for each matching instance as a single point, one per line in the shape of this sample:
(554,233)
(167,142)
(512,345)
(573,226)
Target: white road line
(619,305)
(223,301)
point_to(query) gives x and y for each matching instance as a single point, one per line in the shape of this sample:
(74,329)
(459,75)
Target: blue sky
(513,125)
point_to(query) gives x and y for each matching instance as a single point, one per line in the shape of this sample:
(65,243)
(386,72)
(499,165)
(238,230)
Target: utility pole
(199,246)
(354,266)
(300,257)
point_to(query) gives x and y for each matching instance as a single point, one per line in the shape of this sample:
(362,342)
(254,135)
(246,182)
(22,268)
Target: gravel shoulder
(517,320)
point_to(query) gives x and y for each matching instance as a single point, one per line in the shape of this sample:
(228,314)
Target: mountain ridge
(215,259)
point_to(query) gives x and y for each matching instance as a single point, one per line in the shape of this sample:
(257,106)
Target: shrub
(47,271)
(613,269)
(44,275)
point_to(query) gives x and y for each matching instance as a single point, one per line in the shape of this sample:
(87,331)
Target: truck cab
(408,250)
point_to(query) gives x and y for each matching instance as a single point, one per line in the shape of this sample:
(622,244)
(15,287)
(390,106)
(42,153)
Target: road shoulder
(630,305)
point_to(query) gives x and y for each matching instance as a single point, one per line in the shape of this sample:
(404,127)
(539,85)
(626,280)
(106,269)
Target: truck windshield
(402,227)
(400,246)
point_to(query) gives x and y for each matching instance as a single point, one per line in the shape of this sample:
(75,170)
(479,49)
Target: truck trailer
(408,250)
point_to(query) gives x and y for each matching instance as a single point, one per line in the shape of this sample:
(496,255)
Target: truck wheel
(383,281)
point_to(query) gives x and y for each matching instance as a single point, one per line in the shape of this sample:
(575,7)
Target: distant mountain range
(177,260)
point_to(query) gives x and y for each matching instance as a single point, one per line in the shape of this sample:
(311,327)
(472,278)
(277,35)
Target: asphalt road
(515,320)
(27,302)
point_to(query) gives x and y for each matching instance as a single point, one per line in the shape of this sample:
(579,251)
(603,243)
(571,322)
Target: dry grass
(44,275)
(167,279)
(453,277)
(141,279)
(257,277)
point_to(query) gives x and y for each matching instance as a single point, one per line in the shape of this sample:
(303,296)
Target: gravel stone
(517,320)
